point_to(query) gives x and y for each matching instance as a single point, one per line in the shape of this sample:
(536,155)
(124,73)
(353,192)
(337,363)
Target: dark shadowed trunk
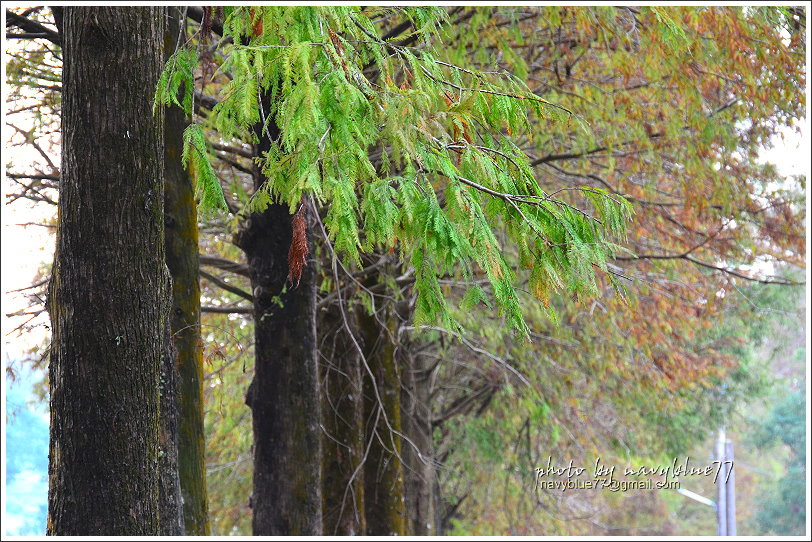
(419,468)
(171,507)
(284,394)
(342,417)
(182,259)
(384,501)
(108,298)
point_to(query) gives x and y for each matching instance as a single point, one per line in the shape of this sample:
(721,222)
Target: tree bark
(284,394)
(343,437)
(180,214)
(108,298)
(171,506)
(419,468)
(384,500)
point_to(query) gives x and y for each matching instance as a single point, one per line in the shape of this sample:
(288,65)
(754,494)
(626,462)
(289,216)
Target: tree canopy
(406,151)
(555,219)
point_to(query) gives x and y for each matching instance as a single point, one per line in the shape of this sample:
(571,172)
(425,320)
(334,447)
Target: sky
(24,250)
(26,442)
(26,423)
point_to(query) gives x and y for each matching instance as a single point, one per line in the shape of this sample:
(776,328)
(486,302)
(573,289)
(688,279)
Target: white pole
(731,490)
(721,490)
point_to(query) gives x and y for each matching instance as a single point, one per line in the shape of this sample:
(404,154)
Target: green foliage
(179,71)
(779,429)
(406,151)
(672,33)
(176,87)
(785,424)
(195,157)
(783,511)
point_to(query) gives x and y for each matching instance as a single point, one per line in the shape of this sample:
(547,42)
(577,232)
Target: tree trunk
(419,471)
(384,501)
(342,417)
(284,394)
(180,213)
(108,297)
(171,506)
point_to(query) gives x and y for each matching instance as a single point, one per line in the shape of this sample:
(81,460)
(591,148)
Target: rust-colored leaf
(297,255)
(257,22)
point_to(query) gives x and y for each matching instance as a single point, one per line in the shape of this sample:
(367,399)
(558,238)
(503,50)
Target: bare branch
(227,310)
(35,285)
(726,270)
(32,27)
(240,151)
(226,286)
(36,176)
(225,265)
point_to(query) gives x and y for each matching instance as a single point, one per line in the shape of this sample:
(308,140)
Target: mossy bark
(108,297)
(342,418)
(384,499)
(182,259)
(284,393)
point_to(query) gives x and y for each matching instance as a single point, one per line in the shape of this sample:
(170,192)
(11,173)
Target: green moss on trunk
(182,260)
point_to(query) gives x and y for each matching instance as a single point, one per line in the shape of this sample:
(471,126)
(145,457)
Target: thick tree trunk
(109,292)
(180,213)
(384,500)
(342,417)
(284,394)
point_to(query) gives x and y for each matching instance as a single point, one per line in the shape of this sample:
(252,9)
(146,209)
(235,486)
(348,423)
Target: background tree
(782,511)
(272,53)
(181,238)
(284,394)
(706,252)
